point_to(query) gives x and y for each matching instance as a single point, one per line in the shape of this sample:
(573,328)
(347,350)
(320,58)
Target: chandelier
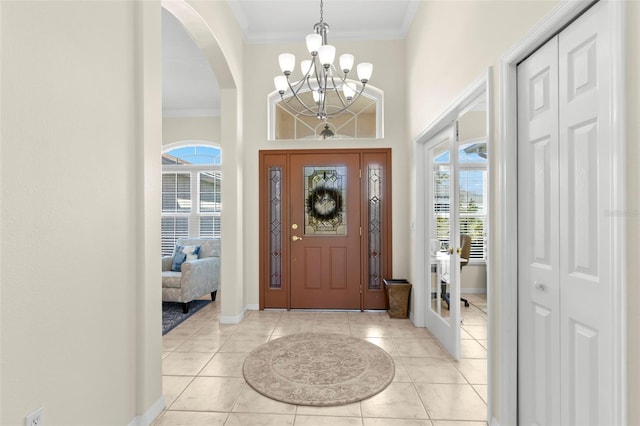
(331,89)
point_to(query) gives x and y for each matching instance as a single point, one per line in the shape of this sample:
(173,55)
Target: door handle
(295,238)
(539,286)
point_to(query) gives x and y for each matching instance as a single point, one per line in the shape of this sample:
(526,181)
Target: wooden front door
(325,228)
(325,231)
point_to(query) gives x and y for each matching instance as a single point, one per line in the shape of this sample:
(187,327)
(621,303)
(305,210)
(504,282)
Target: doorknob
(295,238)
(539,286)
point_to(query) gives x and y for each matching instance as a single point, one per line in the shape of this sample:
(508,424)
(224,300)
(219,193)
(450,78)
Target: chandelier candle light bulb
(332,92)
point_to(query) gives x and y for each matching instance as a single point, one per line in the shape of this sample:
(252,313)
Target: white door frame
(422,280)
(507,199)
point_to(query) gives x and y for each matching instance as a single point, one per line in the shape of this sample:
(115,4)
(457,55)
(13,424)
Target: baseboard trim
(232,319)
(150,415)
(252,307)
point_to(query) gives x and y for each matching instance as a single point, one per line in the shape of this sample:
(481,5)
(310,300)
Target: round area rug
(318,369)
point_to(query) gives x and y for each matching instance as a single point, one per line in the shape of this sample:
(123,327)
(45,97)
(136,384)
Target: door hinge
(361,231)
(360,173)
(361,289)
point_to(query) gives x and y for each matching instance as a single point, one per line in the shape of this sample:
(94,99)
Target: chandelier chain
(331,89)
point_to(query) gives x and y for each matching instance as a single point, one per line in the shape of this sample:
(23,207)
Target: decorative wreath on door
(324,203)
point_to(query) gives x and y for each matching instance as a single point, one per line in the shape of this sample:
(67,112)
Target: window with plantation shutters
(176,192)
(473,208)
(191,194)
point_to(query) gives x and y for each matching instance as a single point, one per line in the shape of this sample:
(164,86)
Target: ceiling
(189,87)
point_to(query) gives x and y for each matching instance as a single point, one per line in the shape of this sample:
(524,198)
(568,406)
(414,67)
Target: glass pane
(441,200)
(473,153)
(172,229)
(275,224)
(472,190)
(362,115)
(210,192)
(473,208)
(176,193)
(474,227)
(375,226)
(199,154)
(325,197)
(440,232)
(210,226)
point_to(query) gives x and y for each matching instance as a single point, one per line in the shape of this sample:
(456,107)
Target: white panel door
(538,245)
(564,230)
(585,220)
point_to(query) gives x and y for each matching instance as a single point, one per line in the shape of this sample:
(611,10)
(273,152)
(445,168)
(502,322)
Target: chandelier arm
(335,88)
(311,89)
(311,112)
(356,96)
(314,74)
(295,86)
(323,114)
(306,112)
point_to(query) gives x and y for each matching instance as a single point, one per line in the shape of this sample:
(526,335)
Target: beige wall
(80,306)
(387,57)
(179,129)
(473,279)
(472,125)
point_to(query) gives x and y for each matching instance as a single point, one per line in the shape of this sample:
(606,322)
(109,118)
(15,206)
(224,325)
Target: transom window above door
(362,121)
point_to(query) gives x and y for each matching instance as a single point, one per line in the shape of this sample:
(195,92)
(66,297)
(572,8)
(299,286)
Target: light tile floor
(203,382)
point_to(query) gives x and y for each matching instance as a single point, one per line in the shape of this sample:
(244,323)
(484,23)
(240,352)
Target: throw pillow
(182,254)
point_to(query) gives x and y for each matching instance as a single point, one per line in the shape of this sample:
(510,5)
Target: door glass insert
(275,227)
(440,233)
(375,226)
(325,199)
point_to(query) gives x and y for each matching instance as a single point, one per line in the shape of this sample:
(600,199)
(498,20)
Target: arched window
(362,121)
(191,193)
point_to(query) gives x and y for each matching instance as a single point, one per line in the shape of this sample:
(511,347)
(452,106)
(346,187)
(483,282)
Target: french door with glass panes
(443,307)
(325,228)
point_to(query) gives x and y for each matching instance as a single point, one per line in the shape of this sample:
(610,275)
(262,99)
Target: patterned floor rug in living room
(172,315)
(318,369)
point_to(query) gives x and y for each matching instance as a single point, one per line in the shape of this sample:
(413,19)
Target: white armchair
(197,277)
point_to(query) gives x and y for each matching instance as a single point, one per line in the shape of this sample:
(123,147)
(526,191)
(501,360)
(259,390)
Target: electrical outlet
(35,418)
